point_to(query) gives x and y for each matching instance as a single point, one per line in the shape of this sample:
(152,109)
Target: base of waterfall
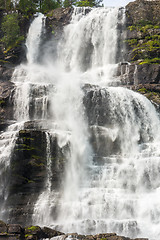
(17,232)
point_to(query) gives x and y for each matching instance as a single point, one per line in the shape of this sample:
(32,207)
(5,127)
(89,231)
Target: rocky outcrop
(28,172)
(16,232)
(57,19)
(143,10)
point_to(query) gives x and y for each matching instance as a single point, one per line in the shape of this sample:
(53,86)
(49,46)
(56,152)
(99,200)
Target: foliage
(47,5)
(27,6)
(69,3)
(11,29)
(32,228)
(89,3)
(6,4)
(146,44)
(132,42)
(150,61)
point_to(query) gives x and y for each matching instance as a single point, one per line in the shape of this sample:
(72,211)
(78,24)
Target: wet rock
(28,172)
(6,104)
(150,91)
(134,74)
(3,227)
(50,233)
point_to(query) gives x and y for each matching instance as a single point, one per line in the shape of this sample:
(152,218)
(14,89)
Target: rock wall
(142,44)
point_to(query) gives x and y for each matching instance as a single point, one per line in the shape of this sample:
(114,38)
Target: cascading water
(21,114)
(105,194)
(111,178)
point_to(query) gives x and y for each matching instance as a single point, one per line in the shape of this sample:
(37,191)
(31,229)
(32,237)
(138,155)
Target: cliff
(25,177)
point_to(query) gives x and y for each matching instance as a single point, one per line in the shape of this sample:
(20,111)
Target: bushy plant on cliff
(11,30)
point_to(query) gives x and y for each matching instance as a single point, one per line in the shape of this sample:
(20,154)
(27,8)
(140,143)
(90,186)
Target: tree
(47,5)
(27,6)
(11,29)
(69,3)
(89,3)
(6,4)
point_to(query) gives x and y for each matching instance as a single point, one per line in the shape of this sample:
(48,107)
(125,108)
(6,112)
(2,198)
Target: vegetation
(146,44)
(31,6)
(11,29)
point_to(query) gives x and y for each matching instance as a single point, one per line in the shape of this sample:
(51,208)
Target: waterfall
(109,135)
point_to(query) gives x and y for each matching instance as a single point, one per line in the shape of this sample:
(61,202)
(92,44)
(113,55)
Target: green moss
(28,235)
(132,28)
(2,102)
(23,178)
(132,42)
(150,61)
(36,157)
(33,228)
(28,138)
(3,61)
(142,90)
(24,147)
(36,164)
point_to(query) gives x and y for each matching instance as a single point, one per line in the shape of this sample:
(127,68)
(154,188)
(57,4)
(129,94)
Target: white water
(21,113)
(103,190)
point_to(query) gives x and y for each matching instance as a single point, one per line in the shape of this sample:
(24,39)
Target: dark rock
(50,233)
(6,104)
(14,228)
(10,237)
(134,74)
(3,227)
(57,19)
(27,172)
(148,73)
(33,232)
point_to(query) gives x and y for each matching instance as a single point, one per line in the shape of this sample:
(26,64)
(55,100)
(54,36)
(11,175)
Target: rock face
(57,19)
(142,44)
(143,10)
(28,172)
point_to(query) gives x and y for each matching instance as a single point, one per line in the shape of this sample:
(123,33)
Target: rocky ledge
(16,232)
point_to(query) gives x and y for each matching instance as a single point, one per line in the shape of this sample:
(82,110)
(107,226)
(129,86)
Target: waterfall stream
(111,180)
